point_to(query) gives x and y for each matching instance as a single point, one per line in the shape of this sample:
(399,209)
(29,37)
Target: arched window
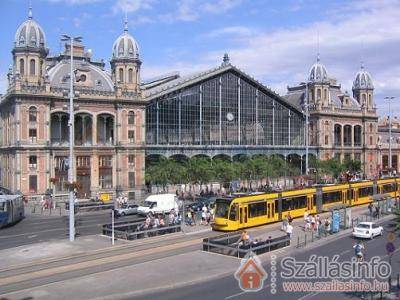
(130,75)
(319,94)
(121,75)
(370,100)
(338,134)
(364,99)
(326,94)
(131,118)
(371,128)
(32,65)
(32,114)
(21,66)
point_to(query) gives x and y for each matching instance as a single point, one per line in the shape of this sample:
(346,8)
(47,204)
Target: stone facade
(340,125)
(108,127)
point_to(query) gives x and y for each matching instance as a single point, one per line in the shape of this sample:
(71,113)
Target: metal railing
(228,244)
(129,230)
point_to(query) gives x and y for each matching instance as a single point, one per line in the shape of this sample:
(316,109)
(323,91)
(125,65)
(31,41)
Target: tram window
(388,188)
(331,197)
(276,206)
(294,203)
(2,206)
(233,213)
(222,208)
(365,191)
(314,200)
(257,209)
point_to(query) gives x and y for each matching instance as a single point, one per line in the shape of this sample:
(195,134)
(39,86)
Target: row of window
(61,163)
(121,75)
(105,182)
(32,67)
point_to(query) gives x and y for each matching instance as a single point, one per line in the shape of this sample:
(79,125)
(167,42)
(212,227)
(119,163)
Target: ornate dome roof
(30,34)
(125,46)
(318,72)
(363,80)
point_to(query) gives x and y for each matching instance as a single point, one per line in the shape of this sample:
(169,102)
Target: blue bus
(11,209)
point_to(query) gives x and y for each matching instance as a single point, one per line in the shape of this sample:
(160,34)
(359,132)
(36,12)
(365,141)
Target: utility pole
(306,129)
(67,38)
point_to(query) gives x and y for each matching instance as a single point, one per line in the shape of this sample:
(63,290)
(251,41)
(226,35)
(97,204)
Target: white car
(367,230)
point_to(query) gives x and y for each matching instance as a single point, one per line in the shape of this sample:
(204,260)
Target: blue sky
(275,41)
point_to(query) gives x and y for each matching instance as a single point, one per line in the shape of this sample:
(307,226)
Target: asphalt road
(227,287)
(36,229)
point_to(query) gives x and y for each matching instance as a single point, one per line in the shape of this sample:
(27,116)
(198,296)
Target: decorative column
(179,119)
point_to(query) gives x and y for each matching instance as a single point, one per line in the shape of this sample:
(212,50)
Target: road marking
(32,236)
(308,295)
(244,292)
(92,263)
(341,253)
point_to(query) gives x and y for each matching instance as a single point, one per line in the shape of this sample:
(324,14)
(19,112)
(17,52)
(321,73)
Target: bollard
(305,240)
(298,242)
(381,297)
(312,236)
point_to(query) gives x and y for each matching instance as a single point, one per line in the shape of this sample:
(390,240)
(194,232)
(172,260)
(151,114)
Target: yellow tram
(247,210)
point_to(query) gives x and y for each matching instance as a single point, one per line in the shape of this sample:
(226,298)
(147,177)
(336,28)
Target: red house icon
(251,275)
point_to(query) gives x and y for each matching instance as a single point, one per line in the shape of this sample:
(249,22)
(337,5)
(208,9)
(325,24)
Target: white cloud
(283,56)
(130,6)
(220,6)
(75,2)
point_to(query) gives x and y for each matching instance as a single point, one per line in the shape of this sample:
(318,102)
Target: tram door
(243,216)
(310,203)
(271,211)
(344,197)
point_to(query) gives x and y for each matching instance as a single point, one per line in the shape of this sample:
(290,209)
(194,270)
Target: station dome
(363,80)
(318,72)
(125,46)
(30,34)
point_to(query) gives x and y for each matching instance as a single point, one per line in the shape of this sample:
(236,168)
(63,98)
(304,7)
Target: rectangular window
(131,179)
(131,136)
(257,209)
(33,135)
(365,191)
(105,171)
(294,203)
(32,183)
(61,173)
(388,188)
(131,160)
(331,197)
(33,162)
(326,140)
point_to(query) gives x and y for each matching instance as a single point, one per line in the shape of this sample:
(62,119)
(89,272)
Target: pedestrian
(312,221)
(204,215)
(370,208)
(284,224)
(305,220)
(289,231)
(377,211)
(289,218)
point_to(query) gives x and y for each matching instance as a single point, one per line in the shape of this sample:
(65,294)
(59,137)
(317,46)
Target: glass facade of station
(223,110)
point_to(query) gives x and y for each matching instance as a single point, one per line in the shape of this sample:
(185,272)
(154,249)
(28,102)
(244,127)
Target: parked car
(201,201)
(127,210)
(367,230)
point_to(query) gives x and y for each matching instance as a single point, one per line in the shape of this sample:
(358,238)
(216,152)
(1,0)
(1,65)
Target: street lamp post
(306,129)
(390,132)
(67,38)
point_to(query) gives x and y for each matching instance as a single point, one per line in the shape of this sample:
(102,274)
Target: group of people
(374,210)
(314,223)
(154,221)
(207,215)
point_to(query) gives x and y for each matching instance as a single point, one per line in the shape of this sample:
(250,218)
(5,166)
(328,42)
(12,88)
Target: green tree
(223,171)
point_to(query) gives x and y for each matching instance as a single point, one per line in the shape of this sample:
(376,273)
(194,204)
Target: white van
(160,203)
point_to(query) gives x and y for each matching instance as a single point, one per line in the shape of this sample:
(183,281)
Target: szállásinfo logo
(251,274)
